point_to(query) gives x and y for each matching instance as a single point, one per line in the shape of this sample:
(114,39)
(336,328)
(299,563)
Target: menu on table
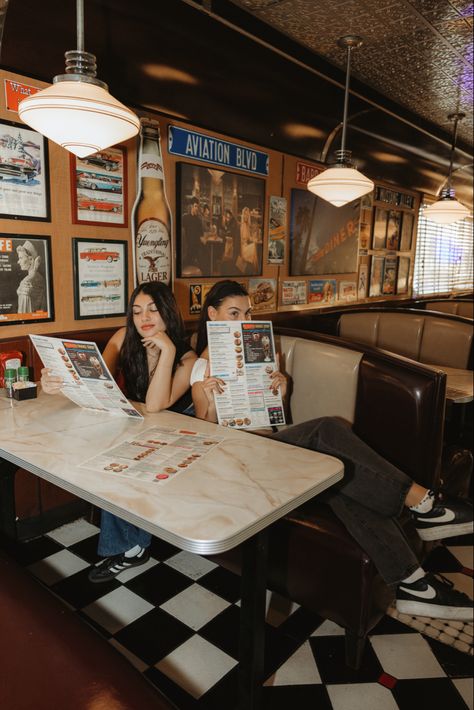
(86,378)
(242,353)
(156,456)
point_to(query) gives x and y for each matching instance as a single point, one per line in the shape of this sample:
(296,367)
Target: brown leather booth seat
(51,659)
(397,407)
(459,308)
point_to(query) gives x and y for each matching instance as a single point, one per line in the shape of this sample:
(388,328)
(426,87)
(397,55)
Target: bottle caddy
(151,215)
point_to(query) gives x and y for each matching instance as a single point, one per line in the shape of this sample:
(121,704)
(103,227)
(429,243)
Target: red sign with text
(305,171)
(16,92)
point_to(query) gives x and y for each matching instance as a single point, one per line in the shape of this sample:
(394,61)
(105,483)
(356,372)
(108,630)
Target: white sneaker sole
(441,532)
(434,611)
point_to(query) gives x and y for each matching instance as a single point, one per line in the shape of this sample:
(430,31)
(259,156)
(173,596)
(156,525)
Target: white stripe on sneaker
(428,593)
(447,517)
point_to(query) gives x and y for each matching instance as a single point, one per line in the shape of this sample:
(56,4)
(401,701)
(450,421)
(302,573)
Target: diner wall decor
(276,230)
(219,222)
(403,274)
(406,232)
(293,293)
(324,238)
(263,294)
(376,276)
(24,173)
(26,279)
(389,275)
(322,292)
(99,188)
(363,281)
(100,278)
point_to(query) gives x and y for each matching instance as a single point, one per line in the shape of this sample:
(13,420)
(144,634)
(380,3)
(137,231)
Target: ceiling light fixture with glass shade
(77,111)
(448,209)
(342,182)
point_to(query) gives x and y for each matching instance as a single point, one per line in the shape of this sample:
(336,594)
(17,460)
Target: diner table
(229,496)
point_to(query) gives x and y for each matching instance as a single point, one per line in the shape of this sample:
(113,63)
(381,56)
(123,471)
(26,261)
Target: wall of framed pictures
(238,211)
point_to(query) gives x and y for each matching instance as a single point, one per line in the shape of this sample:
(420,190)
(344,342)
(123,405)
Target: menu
(243,355)
(158,455)
(86,379)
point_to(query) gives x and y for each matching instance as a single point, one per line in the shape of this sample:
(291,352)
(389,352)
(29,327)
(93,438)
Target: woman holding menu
(372,494)
(152,363)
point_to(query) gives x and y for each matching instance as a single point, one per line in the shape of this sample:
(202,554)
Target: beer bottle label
(153,252)
(151,165)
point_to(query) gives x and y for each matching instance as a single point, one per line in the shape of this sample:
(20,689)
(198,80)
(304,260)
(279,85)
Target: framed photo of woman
(26,279)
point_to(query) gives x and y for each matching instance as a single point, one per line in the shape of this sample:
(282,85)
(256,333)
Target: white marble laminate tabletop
(238,489)
(459,384)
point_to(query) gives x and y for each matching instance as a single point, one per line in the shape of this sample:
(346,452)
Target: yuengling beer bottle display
(151,216)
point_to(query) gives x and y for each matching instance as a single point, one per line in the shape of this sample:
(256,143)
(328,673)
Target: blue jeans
(117,536)
(370,497)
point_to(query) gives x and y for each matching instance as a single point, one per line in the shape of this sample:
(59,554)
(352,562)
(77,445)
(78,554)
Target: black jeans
(370,497)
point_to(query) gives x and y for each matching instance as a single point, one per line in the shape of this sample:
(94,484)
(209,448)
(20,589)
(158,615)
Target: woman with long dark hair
(372,494)
(152,363)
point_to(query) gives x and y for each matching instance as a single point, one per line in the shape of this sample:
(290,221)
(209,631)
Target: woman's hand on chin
(159,341)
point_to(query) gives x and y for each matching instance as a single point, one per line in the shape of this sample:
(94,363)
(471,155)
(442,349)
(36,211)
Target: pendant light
(342,183)
(447,209)
(77,111)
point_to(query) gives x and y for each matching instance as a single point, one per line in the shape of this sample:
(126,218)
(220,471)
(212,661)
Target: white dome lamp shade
(448,209)
(342,183)
(77,112)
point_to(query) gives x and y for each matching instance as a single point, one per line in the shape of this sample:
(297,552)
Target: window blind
(443,257)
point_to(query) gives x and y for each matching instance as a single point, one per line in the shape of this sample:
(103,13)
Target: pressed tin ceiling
(419,53)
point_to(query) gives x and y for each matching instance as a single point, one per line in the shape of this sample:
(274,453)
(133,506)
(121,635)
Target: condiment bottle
(9,378)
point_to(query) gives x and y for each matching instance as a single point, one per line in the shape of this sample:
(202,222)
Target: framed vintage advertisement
(276,230)
(376,274)
(323,238)
(100,278)
(379,229)
(26,294)
(24,173)
(403,274)
(363,281)
(263,294)
(407,232)
(99,188)
(393,230)
(389,275)
(219,222)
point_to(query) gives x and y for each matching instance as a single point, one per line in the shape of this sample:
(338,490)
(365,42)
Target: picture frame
(389,275)
(376,276)
(379,228)
(220,220)
(403,274)
(24,172)
(99,188)
(100,278)
(393,230)
(26,298)
(406,234)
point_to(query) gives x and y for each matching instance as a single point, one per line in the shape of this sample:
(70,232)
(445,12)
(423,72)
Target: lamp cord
(80,25)
(453,148)
(346,102)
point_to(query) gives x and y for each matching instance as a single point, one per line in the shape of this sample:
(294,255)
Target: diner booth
(255,594)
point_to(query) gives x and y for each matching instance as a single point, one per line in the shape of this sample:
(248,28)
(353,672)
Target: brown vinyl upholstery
(52,659)
(460,308)
(446,342)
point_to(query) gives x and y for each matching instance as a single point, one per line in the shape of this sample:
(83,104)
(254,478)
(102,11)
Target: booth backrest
(438,341)
(460,308)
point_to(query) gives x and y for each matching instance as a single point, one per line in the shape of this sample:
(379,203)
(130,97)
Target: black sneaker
(112,566)
(447,518)
(435,597)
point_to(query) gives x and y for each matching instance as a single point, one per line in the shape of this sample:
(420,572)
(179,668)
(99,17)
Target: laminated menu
(86,378)
(243,355)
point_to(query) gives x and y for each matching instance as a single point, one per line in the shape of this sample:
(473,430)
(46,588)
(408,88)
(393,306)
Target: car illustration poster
(25,279)
(263,294)
(24,182)
(100,278)
(99,188)
(277,230)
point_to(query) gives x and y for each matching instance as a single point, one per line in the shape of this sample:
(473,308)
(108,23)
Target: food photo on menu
(86,378)
(243,355)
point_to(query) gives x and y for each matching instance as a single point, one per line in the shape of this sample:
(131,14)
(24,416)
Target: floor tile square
(117,609)
(297,697)
(361,696)
(74,532)
(278,608)
(224,694)
(26,553)
(329,628)
(87,549)
(176,694)
(222,582)
(193,566)
(406,656)
(329,652)
(159,584)
(134,660)
(195,606)
(389,625)
(465,689)
(161,550)
(437,693)
(153,636)
(196,665)
(223,631)
(299,669)
(78,591)
(57,566)
(300,625)
(454,663)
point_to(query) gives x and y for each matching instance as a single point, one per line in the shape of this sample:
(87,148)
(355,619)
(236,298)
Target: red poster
(305,171)
(16,92)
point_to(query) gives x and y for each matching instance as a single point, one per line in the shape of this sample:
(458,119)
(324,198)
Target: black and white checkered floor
(176,619)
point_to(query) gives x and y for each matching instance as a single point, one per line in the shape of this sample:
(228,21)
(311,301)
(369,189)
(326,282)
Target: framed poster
(276,230)
(393,230)
(379,229)
(219,222)
(26,279)
(323,238)
(363,281)
(263,294)
(322,292)
(100,278)
(99,188)
(403,274)
(347,291)
(389,275)
(376,274)
(407,232)
(293,293)
(24,173)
